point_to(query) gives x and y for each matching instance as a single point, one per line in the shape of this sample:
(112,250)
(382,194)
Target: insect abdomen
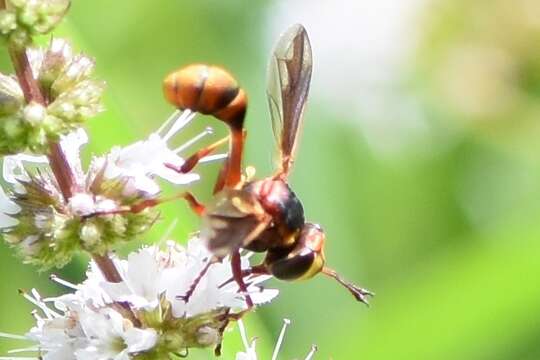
(209,90)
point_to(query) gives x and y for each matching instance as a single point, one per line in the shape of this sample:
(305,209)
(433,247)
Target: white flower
(7,207)
(91,210)
(143,314)
(143,160)
(112,337)
(70,328)
(152,273)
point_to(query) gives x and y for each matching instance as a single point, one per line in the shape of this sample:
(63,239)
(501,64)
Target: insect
(259,215)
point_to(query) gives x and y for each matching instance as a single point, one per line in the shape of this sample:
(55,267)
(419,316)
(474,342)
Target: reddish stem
(59,165)
(107,267)
(32,92)
(29,85)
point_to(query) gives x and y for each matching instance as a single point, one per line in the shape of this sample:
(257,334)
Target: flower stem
(60,167)
(32,93)
(107,267)
(29,86)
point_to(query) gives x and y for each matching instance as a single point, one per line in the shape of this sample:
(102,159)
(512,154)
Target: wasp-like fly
(259,215)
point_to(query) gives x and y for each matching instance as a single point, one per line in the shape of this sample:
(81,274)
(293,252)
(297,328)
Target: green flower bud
(37,17)
(11,95)
(34,113)
(13,127)
(90,234)
(50,230)
(8,21)
(78,69)
(72,97)
(55,59)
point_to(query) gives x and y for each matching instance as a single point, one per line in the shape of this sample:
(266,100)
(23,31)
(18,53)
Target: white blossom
(150,273)
(145,312)
(101,209)
(143,160)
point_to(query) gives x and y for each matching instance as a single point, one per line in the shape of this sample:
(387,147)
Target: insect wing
(232,221)
(289,77)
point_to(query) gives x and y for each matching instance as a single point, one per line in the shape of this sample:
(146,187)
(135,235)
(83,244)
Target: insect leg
(255,270)
(193,286)
(193,203)
(236,267)
(194,159)
(231,172)
(358,293)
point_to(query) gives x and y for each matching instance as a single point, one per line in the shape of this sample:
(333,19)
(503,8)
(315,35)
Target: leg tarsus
(194,159)
(359,293)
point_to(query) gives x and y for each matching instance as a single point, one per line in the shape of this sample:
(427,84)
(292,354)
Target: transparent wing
(289,77)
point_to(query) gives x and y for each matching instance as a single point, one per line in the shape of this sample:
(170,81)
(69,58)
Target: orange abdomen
(209,90)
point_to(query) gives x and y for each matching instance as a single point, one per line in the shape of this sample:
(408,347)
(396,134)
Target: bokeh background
(420,157)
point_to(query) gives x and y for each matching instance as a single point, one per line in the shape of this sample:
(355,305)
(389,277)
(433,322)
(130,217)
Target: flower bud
(92,220)
(34,113)
(71,94)
(8,21)
(37,17)
(11,95)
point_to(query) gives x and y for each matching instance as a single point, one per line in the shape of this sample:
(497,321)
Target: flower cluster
(20,19)
(145,316)
(47,228)
(70,96)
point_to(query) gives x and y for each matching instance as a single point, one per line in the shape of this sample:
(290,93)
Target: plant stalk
(57,159)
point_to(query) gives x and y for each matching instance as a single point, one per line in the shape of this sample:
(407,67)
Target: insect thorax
(277,198)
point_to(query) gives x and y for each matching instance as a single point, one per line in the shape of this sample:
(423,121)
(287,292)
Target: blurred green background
(420,157)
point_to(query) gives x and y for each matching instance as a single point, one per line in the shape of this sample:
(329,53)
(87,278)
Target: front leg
(236,266)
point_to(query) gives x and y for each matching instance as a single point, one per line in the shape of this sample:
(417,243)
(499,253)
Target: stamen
(186,145)
(179,123)
(286,323)
(168,231)
(63,282)
(210,158)
(243,334)
(38,303)
(28,349)
(12,336)
(173,116)
(311,352)
(36,316)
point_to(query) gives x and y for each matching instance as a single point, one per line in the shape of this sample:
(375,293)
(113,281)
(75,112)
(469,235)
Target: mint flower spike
(21,19)
(250,352)
(48,229)
(71,94)
(91,322)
